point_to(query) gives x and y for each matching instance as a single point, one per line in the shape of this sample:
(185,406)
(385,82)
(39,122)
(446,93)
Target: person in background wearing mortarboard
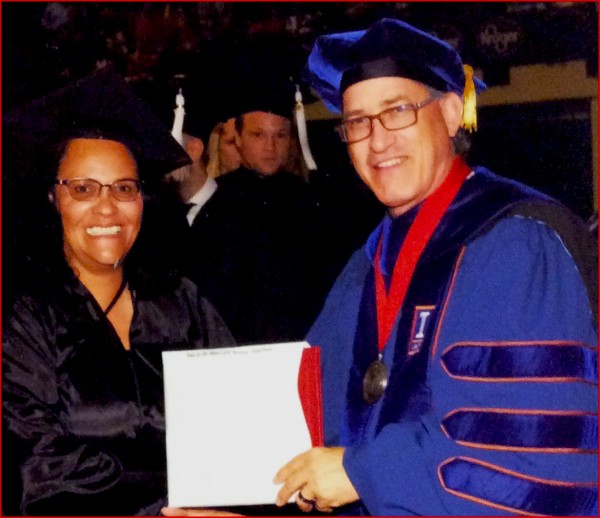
(186,211)
(82,392)
(257,237)
(459,345)
(193,185)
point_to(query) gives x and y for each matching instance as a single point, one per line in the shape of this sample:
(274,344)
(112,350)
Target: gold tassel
(469,118)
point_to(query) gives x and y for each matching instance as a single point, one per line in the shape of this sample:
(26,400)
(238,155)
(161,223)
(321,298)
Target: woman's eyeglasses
(87,189)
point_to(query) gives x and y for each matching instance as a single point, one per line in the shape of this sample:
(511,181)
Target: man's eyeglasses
(87,189)
(394,118)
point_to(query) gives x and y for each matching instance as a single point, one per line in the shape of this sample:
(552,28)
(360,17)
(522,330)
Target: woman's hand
(176,511)
(320,479)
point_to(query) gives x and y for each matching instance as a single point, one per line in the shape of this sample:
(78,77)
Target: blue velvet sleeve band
(511,491)
(524,430)
(513,361)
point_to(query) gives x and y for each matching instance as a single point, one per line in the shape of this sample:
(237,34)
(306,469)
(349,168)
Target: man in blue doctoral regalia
(460,343)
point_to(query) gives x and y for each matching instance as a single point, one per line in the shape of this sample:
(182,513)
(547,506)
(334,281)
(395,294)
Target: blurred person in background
(223,153)
(256,245)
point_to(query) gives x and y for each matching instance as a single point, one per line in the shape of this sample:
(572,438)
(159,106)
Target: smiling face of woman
(97,233)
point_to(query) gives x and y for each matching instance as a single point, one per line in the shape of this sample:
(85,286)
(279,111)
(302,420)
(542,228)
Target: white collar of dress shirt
(200,198)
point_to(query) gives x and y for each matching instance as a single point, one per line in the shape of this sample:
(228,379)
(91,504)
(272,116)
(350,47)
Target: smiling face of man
(98,232)
(402,167)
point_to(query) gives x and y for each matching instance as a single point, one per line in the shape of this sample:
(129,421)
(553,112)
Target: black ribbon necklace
(116,298)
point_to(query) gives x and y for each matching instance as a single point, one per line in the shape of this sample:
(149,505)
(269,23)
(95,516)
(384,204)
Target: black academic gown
(83,418)
(253,251)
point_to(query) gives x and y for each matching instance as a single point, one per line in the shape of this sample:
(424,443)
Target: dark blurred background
(537,121)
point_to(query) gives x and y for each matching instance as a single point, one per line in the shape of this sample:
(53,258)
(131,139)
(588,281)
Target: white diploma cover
(234,417)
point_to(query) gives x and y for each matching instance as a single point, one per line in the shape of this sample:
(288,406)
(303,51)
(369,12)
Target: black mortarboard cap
(200,118)
(388,48)
(204,103)
(264,94)
(101,105)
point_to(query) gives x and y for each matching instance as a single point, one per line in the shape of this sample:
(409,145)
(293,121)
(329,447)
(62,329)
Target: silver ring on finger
(305,500)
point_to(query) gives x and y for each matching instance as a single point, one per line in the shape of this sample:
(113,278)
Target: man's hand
(320,479)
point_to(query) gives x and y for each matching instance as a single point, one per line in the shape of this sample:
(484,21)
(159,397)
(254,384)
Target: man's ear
(452,110)
(194,148)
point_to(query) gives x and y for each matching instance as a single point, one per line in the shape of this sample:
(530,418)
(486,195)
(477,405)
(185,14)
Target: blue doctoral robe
(491,403)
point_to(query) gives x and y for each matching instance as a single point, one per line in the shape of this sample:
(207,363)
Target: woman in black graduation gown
(83,409)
